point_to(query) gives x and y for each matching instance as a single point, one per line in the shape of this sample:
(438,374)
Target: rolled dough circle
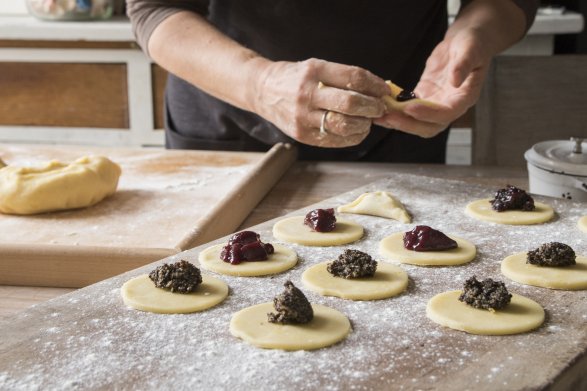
(141,293)
(328,327)
(519,316)
(572,277)
(388,281)
(281,260)
(392,247)
(293,230)
(481,210)
(57,186)
(582,224)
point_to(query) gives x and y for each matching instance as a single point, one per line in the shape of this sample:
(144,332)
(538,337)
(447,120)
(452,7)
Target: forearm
(498,23)
(191,48)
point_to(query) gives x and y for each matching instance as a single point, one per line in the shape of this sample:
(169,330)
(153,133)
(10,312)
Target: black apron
(392,39)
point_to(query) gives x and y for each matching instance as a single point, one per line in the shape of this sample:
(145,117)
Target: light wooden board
(89,339)
(166,202)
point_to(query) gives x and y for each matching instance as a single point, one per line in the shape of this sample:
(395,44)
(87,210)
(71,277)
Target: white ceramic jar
(558,168)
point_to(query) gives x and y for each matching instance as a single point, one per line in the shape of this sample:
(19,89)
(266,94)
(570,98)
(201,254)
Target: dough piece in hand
(393,104)
(388,281)
(293,230)
(57,186)
(582,224)
(519,316)
(328,327)
(482,210)
(281,260)
(141,293)
(572,277)
(378,203)
(392,247)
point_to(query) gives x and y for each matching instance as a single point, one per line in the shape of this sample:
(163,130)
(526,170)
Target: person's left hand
(452,79)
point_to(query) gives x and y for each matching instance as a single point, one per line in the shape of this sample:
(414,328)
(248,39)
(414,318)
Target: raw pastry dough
(57,186)
(327,328)
(388,281)
(378,203)
(481,210)
(281,260)
(572,277)
(519,316)
(293,230)
(142,294)
(392,247)
(582,224)
(392,102)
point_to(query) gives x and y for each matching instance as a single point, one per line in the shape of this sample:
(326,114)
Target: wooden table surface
(304,183)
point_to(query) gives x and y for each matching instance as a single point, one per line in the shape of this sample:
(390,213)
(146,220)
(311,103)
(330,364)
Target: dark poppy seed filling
(512,198)
(291,307)
(245,246)
(425,238)
(405,95)
(552,254)
(353,264)
(180,277)
(487,294)
(321,220)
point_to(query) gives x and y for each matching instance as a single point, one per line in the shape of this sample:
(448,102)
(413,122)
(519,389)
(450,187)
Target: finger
(348,102)
(407,124)
(353,78)
(313,136)
(340,124)
(435,114)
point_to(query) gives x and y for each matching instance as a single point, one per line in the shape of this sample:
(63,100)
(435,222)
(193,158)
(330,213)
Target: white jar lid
(568,157)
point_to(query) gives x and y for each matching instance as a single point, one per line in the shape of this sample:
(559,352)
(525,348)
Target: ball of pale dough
(57,186)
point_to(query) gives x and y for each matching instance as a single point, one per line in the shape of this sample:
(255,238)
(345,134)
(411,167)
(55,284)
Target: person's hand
(452,80)
(295,95)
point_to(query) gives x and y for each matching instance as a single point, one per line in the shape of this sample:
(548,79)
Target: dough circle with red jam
(281,260)
(392,248)
(293,230)
(482,210)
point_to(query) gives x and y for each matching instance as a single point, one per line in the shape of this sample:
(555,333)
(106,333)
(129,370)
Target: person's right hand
(295,95)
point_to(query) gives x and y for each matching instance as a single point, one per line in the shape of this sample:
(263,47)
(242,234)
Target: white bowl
(555,170)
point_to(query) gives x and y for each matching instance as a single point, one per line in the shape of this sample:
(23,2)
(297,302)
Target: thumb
(460,67)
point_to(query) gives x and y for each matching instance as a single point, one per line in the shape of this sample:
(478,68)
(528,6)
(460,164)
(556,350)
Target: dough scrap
(281,260)
(378,203)
(572,277)
(57,186)
(582,224)
(141,293)
(519,316)
(481,210)
(328,327)
(293,230)
(393,104)
(388,281)
(392,247)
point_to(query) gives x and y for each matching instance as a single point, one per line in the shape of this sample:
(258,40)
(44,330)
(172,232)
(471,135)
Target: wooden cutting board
(89,339)
(167,201)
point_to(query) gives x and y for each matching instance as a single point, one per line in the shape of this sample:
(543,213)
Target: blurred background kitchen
(70,73)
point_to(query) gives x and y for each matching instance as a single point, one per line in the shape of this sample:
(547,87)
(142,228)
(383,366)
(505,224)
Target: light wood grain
(79,95)
(162,196)
(306,183)
(225,217)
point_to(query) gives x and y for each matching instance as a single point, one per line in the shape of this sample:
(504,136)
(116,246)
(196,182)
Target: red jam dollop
(321,220)
(424,238)
(245,246)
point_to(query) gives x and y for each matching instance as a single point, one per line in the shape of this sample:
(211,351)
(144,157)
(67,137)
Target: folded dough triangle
(378,203)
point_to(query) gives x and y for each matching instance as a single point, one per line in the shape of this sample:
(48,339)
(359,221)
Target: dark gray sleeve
(145,15)
(529,7)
